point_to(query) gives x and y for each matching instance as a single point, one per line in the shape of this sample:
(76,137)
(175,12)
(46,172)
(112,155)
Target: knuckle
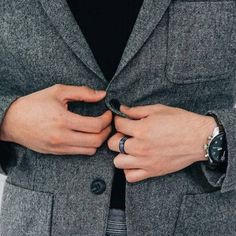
(97,142)
(109,142)
(83,87)
(54,140)
(161,105)
(143,132)
(98,127)
(116,162)
(109,129)
(116,120)
(87,89)
(118,129)
(108,116)
(142,150)
(92,152)
(58,121)
(130,178)
(57,87)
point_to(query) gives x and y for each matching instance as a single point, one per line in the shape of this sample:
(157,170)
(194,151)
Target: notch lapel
(62,18)
(149,16)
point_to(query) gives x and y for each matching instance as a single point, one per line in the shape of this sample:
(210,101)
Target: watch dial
(217,148)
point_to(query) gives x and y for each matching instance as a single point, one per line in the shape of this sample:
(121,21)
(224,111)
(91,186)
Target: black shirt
(106,25)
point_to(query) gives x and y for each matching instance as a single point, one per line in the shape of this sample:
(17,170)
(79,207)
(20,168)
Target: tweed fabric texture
(180,53)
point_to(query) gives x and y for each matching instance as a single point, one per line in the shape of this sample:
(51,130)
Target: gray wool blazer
(180,53)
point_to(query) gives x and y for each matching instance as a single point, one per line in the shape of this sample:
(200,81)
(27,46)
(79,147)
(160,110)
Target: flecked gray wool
(180,53)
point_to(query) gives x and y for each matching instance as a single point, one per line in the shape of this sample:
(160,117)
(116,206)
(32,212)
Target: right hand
(41,121)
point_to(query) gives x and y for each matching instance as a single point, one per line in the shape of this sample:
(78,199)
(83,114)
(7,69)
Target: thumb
(138,112)
(81,93)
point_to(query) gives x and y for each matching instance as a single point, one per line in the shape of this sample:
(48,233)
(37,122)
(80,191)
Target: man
(124,130)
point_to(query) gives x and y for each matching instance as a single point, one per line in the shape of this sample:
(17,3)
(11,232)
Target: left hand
(162,140)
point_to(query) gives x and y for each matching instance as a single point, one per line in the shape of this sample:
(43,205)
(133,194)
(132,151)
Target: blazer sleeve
(225,180)
(10,89)
(5,102)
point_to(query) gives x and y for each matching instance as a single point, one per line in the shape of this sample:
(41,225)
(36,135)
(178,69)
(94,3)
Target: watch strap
(218,122)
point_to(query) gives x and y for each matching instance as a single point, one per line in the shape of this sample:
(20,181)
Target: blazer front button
(98,186)
(114,105)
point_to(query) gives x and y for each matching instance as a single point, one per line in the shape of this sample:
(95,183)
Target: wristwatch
(216,148)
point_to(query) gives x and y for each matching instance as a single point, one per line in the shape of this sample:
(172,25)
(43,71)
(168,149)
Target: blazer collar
(63,20)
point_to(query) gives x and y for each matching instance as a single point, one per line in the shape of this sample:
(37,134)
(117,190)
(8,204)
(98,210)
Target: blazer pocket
(211,214)
(200,40)
(25,212)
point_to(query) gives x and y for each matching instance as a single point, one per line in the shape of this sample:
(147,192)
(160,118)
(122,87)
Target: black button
(114,106)
(98,186)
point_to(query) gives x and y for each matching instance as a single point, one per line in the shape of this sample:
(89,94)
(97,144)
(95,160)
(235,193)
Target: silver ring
(122,144)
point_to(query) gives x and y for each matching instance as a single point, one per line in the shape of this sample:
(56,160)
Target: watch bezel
(213,160)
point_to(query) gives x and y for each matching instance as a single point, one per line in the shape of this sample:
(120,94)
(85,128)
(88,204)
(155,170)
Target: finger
(69,150)
(140,112)
(79,93)
(123,161)
(87,123)
(126,126)
(130,145)
(135,175)
(79,139)
(113,142)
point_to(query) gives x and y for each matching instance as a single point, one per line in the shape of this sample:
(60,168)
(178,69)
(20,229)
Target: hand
(162,140)
(41,121)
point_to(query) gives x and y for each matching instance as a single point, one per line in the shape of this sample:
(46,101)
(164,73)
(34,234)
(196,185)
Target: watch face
(217,148)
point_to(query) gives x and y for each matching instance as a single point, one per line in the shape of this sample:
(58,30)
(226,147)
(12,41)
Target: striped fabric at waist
(116,224)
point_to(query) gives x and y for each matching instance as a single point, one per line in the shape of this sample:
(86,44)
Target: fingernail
(100,91)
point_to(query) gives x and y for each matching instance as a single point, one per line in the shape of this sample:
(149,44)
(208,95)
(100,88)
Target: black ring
(122,144)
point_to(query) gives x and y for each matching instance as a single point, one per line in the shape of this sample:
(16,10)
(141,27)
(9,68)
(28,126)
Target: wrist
(3,131)
(6,127)
(209,124)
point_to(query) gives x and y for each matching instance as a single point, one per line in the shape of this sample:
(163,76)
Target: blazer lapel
(149,16)
(62,18)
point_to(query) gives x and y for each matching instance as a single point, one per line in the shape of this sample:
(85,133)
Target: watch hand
(223,157)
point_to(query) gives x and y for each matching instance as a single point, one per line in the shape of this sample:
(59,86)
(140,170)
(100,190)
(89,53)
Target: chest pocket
(201,38)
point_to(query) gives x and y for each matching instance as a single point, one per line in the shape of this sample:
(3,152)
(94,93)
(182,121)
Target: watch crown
(210,137)
(205,146)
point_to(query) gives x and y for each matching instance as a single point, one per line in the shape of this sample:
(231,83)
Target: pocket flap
(25,212)
(207,214)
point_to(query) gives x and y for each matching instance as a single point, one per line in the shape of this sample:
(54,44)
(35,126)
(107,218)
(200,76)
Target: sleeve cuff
(225,180)
(5,102)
